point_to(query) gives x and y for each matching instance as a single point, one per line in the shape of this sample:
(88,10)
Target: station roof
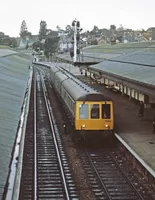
(14,75)
(119,48)
(138,66)
(143,56)
(6,52)
(108,51)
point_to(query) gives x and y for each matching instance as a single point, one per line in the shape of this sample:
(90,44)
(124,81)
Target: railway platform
(82,60)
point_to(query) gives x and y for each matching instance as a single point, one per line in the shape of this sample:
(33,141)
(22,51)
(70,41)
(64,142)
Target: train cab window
(95,111)
(83,111)
(105,111)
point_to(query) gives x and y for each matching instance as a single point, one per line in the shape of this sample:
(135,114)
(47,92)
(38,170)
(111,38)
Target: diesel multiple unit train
(90,112)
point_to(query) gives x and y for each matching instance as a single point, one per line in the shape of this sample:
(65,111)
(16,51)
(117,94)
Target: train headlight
(83,126)
(106,125)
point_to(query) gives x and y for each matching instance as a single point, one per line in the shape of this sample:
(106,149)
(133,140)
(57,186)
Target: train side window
(65,94)
(74,107)
(95,111)
(105,111)
(83,111)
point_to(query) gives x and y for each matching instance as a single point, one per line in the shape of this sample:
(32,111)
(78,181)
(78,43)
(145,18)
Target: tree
(120,38)
(69,31)
(42,30)
(120,28)
(51,45)
(37,45)
(49,32)
(14,43)
(27,46)
(7,41)
(112,32)
(58,28)
(2,34)
(95,30)
(94,42)
(112,27)
(29,34)
(23,30)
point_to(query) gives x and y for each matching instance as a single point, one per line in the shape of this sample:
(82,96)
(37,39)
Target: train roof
(78,90)
(83,85)
(93,97)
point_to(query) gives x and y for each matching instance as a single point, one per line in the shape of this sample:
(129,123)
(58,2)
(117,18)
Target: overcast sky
(135,14)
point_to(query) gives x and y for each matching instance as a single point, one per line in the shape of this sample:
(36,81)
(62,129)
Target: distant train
(89,111)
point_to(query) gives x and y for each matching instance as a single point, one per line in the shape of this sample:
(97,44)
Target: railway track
(111,177)
(45,173)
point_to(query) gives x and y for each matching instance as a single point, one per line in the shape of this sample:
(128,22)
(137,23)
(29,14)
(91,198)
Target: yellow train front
(94,115)
(89,112)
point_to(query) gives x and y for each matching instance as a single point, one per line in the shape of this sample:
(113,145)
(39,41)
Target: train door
(107,115)
(95,116)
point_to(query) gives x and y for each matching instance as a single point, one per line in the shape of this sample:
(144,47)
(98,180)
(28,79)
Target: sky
(134,14)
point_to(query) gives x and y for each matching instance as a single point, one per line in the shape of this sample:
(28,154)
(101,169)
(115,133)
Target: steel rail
(105,189)
(50,114)
(122,172)
(35,145)
(127,179)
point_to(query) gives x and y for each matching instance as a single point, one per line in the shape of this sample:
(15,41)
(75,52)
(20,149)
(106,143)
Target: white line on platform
(149,169)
